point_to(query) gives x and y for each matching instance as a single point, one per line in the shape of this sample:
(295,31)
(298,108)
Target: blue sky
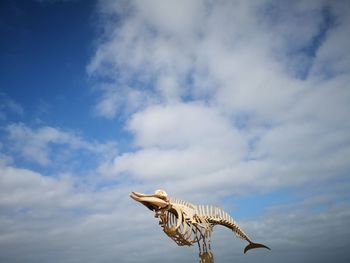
(234,103)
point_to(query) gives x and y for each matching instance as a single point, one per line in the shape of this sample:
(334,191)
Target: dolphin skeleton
(186,223)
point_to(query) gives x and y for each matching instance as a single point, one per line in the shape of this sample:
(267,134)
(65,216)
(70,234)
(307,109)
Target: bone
(194,223)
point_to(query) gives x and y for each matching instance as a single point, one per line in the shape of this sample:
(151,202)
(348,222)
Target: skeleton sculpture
(187,224)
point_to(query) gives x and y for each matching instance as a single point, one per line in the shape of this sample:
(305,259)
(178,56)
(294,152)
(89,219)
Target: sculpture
(186,223)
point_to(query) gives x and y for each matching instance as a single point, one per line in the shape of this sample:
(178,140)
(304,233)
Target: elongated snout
(153,202)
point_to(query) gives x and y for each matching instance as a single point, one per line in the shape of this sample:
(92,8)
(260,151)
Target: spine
(222,218)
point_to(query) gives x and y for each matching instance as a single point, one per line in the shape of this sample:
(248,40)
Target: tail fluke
(254,245)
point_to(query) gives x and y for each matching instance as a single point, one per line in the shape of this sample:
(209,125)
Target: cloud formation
(236,90)
(221,100)
(38,145)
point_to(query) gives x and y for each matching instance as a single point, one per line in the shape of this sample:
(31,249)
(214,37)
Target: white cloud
(9,106)
(121,101)
(235,65)
(109,104)
(183,124)
(36,144)
(186,145)
(171,18)
(331,58)
(25,189)
(246,62)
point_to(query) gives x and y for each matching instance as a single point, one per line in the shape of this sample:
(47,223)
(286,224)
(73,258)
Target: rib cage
(211,215)
(183,232)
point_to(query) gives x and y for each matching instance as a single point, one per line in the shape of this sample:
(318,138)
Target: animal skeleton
(186,223)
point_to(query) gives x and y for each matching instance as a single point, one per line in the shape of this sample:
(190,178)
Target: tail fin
(254,245)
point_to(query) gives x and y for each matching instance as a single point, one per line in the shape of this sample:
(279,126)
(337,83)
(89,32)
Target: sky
(240,104)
